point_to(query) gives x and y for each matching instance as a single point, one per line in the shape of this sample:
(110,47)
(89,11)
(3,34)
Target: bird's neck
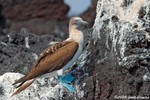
(76,35)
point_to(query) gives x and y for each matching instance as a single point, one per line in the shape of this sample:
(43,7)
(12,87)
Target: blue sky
(77,6)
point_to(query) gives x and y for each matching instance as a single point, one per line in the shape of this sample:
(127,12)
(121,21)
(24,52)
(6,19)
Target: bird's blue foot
(66,81)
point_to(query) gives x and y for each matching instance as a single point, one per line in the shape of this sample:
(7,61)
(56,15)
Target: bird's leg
(66,81)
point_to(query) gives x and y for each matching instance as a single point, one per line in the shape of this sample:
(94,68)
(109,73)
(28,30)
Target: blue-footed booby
(57,58)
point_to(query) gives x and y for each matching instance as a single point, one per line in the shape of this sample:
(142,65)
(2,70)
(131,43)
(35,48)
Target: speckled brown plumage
(48,61)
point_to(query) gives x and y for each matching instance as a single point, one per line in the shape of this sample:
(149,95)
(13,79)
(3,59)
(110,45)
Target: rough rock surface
(20,10)
(120,53)
(41,17)
(41,89)
(19,50)
(42,26)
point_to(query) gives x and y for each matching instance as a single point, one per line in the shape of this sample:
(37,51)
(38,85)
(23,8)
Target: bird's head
(77,23)
(76,28)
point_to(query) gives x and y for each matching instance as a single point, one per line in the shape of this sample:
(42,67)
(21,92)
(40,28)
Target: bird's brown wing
(53,58)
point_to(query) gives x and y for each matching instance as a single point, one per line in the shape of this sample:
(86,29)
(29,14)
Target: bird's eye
(76,22)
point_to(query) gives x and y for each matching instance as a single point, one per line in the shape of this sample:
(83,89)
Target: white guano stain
(127,16)
(27,42)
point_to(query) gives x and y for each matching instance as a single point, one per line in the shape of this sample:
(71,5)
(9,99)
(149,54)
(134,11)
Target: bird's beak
(85,23)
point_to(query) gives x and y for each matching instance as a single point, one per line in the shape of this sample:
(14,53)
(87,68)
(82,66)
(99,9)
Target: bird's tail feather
(23,86)
(20,84)
(23,79)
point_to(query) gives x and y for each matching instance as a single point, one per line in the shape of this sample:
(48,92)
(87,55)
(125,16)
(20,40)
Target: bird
(56,59)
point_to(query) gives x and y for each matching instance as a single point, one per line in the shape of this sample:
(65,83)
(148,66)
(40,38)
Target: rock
(41,17)
(17,54)
(35,92)
(41,89)
(2,19)
(119,51)
(20,10)
(41,26)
